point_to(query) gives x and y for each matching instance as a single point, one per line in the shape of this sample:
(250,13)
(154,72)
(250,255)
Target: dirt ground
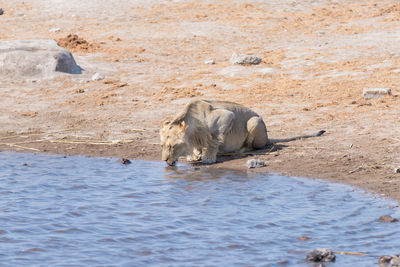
(317,56)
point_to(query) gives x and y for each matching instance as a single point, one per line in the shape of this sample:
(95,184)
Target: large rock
(389,261)
(35,59)
(369,93)
(321,255)
(387,219)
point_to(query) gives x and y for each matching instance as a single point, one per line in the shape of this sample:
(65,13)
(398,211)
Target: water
(81,211)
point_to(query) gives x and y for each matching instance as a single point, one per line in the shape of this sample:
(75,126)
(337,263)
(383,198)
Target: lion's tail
(284,140)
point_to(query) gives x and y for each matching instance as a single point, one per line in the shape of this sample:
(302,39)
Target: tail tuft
(320,133)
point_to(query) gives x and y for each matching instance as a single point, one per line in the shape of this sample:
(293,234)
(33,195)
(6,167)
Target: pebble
(369,93)
(389,261)
(303,238)
(210,62)
(396,170)
(54,30)
(125,161)
(1,11)
(321,255)
(98,77)
(255,163)
(387,219)
(245,59)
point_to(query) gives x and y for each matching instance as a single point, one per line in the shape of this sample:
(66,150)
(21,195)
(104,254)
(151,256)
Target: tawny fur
(205,128)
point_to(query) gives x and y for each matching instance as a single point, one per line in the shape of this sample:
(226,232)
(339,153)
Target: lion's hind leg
(257,133)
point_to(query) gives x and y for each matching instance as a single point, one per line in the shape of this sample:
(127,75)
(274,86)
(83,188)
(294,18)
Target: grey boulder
(35,59)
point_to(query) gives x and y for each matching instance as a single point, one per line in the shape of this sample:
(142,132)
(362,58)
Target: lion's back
(238,133)
(237,109)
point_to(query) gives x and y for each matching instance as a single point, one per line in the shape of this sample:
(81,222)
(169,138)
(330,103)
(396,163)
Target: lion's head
(172,135)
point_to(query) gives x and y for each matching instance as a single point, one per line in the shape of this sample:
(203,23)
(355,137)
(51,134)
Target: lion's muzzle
(168,159)
(170,164)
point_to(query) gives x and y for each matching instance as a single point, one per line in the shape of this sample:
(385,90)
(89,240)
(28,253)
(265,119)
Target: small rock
(389,261)
(303,238)
(98,77)
(54,30)
(384,259)
(369,93)
(255,163)
(245,59)
(387,219)
(321,254)
(1,11)
(209,62)
(396,170)
(125,161)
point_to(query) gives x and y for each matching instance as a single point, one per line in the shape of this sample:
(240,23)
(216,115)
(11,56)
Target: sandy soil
(317,58)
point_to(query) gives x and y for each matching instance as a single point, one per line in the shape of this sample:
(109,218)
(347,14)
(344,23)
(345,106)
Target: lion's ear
(164,123)
(182,125)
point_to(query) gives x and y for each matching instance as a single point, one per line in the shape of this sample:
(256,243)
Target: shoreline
(281,161)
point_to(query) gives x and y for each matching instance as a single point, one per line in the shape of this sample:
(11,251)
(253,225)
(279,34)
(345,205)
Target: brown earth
(74,44)
(317,58)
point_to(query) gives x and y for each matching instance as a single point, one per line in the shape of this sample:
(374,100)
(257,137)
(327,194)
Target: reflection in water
(95,211)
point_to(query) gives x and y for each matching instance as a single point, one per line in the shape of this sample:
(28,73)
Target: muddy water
(59,210)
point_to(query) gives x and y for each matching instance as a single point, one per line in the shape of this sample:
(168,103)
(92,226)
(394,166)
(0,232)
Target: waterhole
(58,211)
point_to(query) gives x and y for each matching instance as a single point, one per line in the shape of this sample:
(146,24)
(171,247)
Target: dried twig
(23,147)
(35,134)
(359,168)
(91,142)
(249,152)
(20,136)
(25,142)
(350,253)
(306,147)
(155,144)
(242,153)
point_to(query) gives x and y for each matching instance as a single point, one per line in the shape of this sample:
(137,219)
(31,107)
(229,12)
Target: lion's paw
(192,158)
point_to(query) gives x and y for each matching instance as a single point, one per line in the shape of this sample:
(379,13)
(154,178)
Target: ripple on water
(59,210)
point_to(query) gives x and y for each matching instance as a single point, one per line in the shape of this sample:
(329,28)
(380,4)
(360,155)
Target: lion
(206,128)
